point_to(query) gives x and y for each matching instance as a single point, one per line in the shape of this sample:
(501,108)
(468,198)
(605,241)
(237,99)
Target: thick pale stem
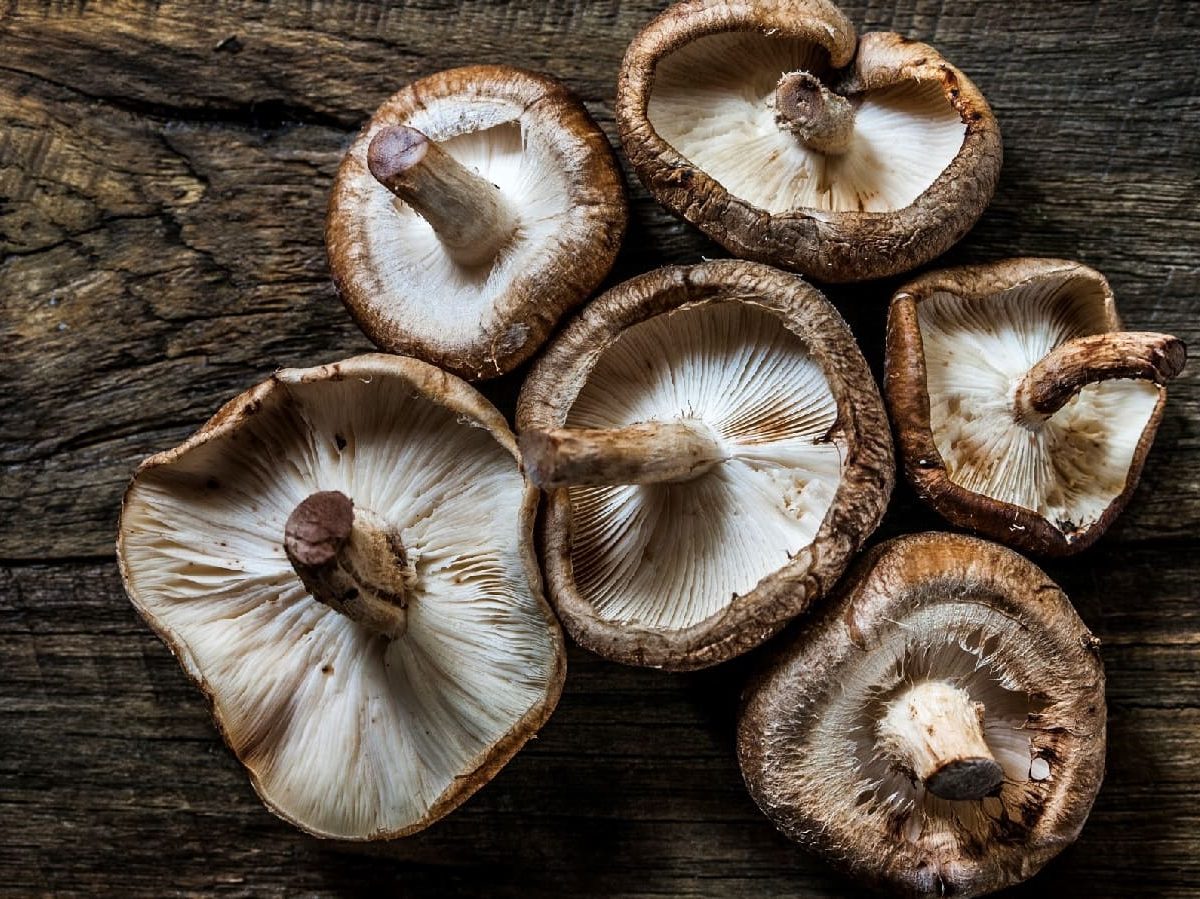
(468,212)
(350,561)
(820,119)
(1066,369)
(933,732)
(652,452)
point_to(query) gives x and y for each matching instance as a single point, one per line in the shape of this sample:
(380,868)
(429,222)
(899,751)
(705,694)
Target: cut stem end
(966,779)
(820,119)
(652,452)
(350,561)
(467,212)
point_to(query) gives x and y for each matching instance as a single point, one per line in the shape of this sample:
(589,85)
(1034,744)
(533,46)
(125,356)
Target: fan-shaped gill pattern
(713,101)
(1068,470)
(346,733)
(835,757)
(671,555)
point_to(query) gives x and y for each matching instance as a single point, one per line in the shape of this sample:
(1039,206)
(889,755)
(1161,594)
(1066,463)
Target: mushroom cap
(686,575)
(530,136)
(957,340)
(695,109)
(973,613)
(346,734)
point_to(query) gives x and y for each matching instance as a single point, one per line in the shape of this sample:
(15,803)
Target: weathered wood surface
(163,175)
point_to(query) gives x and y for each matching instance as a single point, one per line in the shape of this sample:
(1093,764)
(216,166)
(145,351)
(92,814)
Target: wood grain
(164,169)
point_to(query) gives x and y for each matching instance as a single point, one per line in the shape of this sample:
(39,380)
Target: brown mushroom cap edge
(866,477)
(906,390)
(838,246)
(527,309)
(1029,822)
(437,387)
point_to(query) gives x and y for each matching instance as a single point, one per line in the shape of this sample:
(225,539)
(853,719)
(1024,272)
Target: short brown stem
(1065,370)
(933,732)
(350,561)
(651,452)
(468,213)
(820,119)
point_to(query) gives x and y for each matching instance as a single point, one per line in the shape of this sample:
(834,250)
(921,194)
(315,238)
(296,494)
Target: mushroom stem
(468,212)
(350,561)
(933,732)
(1066,369)
(821,119)
(651,452)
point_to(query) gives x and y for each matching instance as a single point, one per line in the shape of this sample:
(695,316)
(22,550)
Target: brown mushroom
(715,451)
(336,560)
(475,208)
(769,127)
(1023,411)
(939,729)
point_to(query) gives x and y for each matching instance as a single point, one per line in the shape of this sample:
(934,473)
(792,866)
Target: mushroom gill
(358,716)
(952,646)
(404,248)
(475,207)
(672,554)
(714,451)
(716,100)
(939,730)
(1070,467)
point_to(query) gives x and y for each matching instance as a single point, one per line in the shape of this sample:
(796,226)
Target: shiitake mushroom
(337,560)
(939,729)
(714,450)
(475,207)
(787,139)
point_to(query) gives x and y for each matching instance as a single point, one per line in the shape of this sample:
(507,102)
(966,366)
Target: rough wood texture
(163,176)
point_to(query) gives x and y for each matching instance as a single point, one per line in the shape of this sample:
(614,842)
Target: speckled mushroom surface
(475,207)
(337,561)
(770,126)
(1023,409)
(714,450)
(942,658)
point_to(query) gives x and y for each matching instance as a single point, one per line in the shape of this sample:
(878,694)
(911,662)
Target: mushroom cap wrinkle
(346,733)
(905,176)
(952,616)
(961,343)
(530,138)
(792,473)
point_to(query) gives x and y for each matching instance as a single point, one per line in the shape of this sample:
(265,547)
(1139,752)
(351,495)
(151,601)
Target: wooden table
(163,177)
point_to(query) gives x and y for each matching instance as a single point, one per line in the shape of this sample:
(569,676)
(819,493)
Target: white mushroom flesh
(1068,469)
(401,260)
(345,732)
(713,100)
(671,555)
(840,766)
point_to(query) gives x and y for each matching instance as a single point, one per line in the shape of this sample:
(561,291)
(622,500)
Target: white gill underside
(851,783)
(346,733)
(671,555)
(1071,468)
(417,285)
(713,100)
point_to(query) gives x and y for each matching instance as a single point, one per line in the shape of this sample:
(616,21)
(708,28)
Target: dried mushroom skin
(772,129)
(1022,409)
(475,207)
(939,730)
(335,560)
(714,450)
